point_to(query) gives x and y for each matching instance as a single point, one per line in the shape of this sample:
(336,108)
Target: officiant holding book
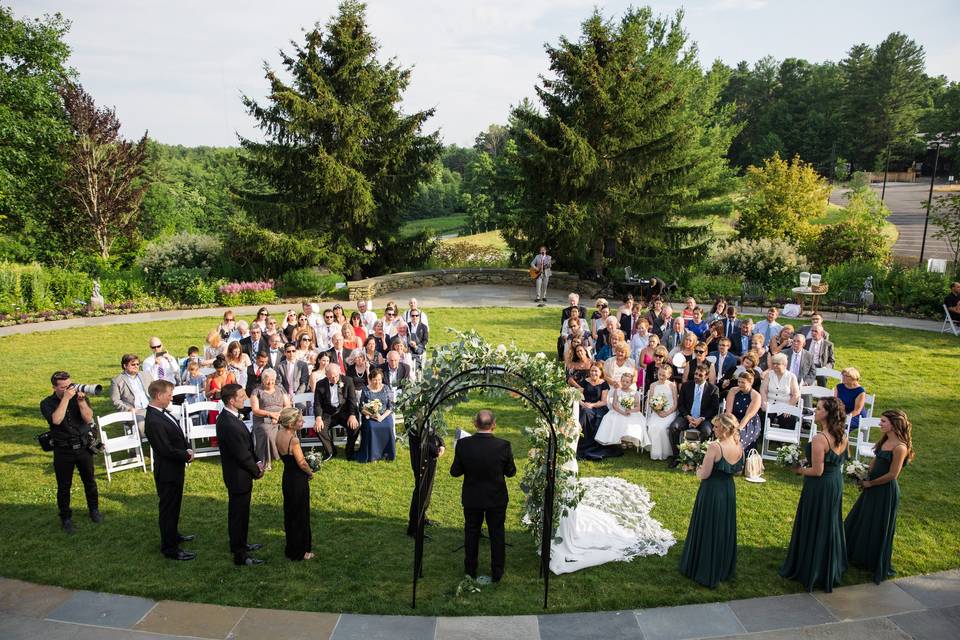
(484,461)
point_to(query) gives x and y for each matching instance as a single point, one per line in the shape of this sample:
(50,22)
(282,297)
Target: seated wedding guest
(293,375)
(663,393)
(781,387)
(573,302)
(756,345)
(816,320)
(616,367)
(710,551)
(872,521)
(391,318)
(419,337)
(338,315)
(577,336)
(350,341)
(128,389)
(288,329)
(698,403)
(237,362)
(160,364)
(593,408)
(356,323)
(326,330)
(364,308)
(577,365)
(215,382)
(952,302)
(358,371)
(699,357)
(414,307)
(266,402)
(378,436)
(713,334)
(318,370)
(242,331)
(660,354)
(723,366)
(310,310)
(192,376)
(255,372)
(822,351)
(817,554)
(718,311)
(372,351)
(193,355)
(303,328)
(801,361)
(227,326)
(335,404)
(740,341)
(697,325)
(305,348)
(641,336)
(275,351)
(295,487)
(687,312)
(626,316)
(381,338)
(398,345)
(338,353)
(686,348)
(852,395)
(749,363)
(782,340)
(574,317)
(260,321)
(653,313)
(743,403)
(624,422)
(214,348)
(769,327)
(255,342)
(605,342)
(644,358)
(731,324)
(599,321)
(673,336)
(395,373)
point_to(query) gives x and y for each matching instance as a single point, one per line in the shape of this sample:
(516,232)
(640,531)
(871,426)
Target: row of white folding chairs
(862,447)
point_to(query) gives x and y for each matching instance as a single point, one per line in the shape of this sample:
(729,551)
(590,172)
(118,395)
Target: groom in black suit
(241,467)
(171,453)
(484,461)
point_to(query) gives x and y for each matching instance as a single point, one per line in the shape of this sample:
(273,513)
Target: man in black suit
(293,376)
(731,325)
(574,303)
(255,371)
(395,373)
(337,354)
(699,403)
(275,352)
(740,343)
(171,453)
(240,466)
(254,343)
(724,364)
(336,401)
(419,336)
(484,461)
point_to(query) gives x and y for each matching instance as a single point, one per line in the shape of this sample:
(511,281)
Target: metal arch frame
(461,383)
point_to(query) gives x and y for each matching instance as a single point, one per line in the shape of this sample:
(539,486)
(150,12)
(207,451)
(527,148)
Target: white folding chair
(862,447)
(205,371)
(816,393)
(868,403)
(776,434)
(827,372)
(197,428)
(949,324)
(186,389)
(127,443)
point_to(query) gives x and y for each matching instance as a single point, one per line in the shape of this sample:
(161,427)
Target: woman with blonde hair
(661,412)
(710,550)
(852,394)
(303,328)
(615,367)
(266,403)
(296,487)
(214,348)
(872,521)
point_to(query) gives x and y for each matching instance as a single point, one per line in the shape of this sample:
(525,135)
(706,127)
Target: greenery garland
(470,351)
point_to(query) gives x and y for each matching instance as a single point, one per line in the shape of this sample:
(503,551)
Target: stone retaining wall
(372,287)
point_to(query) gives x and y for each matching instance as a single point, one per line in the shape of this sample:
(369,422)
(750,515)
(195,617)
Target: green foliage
(896,289)
(183,251)
(437,196)
(457,255)
(771,262)
(859,180)
(262,253)
(945,214)
(780,198)
(339,156)
(704,287)
(859,237)
(175,281)
(630,139)
(201,292)
(308,283)
(409,253)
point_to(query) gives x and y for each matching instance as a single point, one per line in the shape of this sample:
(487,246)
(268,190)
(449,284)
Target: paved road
(907,204)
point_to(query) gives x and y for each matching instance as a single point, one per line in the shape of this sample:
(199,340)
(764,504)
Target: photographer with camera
(69,415)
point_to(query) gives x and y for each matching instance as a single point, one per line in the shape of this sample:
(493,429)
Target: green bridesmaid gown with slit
(871,523)
(710,550)
(817,556)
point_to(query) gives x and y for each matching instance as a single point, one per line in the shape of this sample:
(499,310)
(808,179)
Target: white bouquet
(659,403)
(856,470)
(690,454)
(314,460)
(627,401)
(790,455)
(374,407)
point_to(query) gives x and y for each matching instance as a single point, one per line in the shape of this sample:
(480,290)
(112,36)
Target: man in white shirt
(414,306)
(160,364)
(128,390)
(312,318)
(816,320)
(368,318)
(327,330)
(770,327)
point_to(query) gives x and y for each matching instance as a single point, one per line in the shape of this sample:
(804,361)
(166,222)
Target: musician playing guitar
(540,273)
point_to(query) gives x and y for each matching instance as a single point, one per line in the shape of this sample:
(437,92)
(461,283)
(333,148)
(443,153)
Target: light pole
(926,219)
(886,165)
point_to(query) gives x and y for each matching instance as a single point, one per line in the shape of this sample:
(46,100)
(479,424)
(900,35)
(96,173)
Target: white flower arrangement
(789,455)
(314,460)
(691,454)
(374,407)
(857,471)
(659,403)
(627,402)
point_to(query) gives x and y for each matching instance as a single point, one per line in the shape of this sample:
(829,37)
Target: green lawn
(442,225)
(487,238)
(359,512)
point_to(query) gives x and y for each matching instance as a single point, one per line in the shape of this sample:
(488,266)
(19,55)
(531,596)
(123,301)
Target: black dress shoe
(182,555)
(249,562)
(430,523)
(327,456)
(673,463)
(67,525)
(185,538)
(253,546)
(95,516)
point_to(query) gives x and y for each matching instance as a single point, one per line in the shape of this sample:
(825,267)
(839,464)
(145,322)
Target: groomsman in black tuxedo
(484,461)
(240,466)
(335,404)
(698,405)
(171,453)
(255,371)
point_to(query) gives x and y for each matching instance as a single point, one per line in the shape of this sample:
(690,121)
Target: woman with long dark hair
(872,521)
(817,556)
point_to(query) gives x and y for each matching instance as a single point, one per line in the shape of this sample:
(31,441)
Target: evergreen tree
(630,144)
(340,158)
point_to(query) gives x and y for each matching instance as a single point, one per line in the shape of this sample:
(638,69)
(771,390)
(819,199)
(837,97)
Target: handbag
(753,468)
(45,440)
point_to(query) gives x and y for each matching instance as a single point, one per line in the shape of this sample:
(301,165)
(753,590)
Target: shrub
(236,293)
(175,281)
(25,286)
(181,251)
(453,255)
(201,292)
(307,282)
(67,287)
(772,263)
(705,287)
(264,253)
(780,198)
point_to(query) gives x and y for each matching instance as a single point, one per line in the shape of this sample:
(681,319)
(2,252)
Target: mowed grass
(359,511)
(441,225)
(487,238)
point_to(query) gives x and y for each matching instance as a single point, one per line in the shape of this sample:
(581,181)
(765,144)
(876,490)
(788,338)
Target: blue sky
(178,67)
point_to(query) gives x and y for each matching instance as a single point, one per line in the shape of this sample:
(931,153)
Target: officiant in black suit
(335,403)
(171,453)
(484,461)
(240,466)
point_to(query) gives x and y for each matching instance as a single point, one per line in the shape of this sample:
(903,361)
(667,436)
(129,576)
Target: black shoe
(67,525)
(327,456)
(95,516)
(673,463)
(413,534)
(182,555)
(249,562)
(185,538)
(495,579)
(430,523)
(254,546)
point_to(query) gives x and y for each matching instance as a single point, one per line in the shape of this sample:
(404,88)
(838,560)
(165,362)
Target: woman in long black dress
(817,556)
(296,487)
(592,409)
(871,523)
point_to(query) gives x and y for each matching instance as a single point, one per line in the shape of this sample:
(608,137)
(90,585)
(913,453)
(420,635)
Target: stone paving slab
(191,619)
(868,601)
(103,609)
(258,624)
(28,599)
(613,625)
(933,624)
(689,621)
(363,627)
(875,629)
(780,612)
(936,590)
(14,627)
(485,628)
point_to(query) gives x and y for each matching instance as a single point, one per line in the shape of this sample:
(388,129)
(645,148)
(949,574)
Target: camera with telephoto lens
(89,389)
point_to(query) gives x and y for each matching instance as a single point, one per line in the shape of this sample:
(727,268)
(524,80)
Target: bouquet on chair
(690,454)
(857,471)
(790,455)
(314,460)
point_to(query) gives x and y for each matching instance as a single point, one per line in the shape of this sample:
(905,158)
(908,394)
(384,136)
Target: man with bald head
(160,364)
(415,308)
(335,404)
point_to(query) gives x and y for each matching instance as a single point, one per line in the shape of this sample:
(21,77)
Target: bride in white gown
(659,420)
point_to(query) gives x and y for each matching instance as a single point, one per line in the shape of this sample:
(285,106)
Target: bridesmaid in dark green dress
(710,550)
(872,521)
(817,556)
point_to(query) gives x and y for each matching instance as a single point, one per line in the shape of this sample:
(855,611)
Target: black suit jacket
(420,335)
(627,323)
(273,359)
(168,443)
(246,344)
(403,373)
(484,461)
(253,380)
(709,401)
(565,314)
(344,353)
(348,397)
(736,344)
(238,459)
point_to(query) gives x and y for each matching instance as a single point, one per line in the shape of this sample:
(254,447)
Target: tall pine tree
(629,147)
(340,158)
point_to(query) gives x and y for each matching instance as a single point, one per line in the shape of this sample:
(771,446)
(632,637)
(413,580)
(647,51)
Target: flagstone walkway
(921,607)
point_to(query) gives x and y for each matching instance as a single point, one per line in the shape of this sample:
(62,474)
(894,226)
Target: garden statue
(96,299)
(867,294)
